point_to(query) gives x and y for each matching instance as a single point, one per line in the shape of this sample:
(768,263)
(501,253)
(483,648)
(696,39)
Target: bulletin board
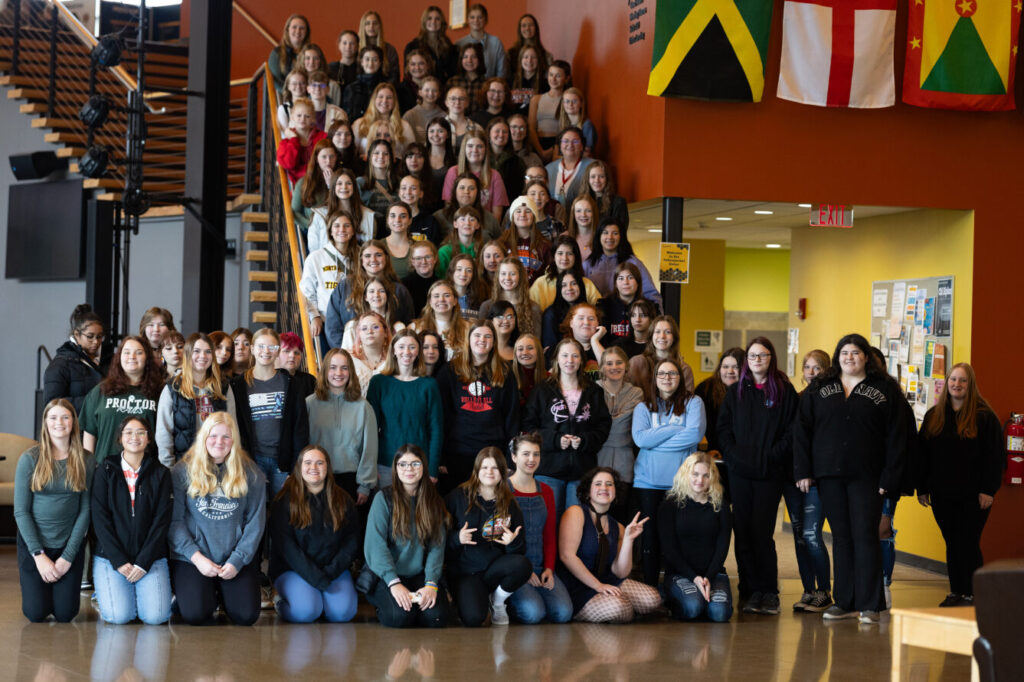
(912,324)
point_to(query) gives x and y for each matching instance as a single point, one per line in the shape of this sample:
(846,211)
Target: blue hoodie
(665,441)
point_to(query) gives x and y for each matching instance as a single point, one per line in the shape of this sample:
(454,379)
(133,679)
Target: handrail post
(51,93)
(16,38)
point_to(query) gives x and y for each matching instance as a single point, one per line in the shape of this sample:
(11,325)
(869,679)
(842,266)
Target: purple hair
(774,381)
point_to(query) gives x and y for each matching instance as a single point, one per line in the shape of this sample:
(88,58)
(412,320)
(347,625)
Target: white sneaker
(499,613)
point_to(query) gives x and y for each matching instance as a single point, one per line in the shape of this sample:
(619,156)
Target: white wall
(36,313)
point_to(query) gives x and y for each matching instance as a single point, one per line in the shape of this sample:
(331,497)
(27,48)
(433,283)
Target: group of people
(471,477)
(501,413)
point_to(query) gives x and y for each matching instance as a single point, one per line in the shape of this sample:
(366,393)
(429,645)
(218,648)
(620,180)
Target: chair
(11,447)
(998,604)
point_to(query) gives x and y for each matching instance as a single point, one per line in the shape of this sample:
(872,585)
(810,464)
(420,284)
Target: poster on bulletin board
(912,322)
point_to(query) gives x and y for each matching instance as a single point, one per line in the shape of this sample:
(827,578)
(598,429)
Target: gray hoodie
(223,529)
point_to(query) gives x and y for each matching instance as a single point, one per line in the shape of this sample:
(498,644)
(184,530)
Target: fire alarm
(801,308)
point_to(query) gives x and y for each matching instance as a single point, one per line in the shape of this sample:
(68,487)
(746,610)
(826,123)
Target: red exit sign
(832,215)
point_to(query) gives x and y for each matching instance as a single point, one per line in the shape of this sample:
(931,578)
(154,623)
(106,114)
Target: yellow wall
(703,298)
(834,269)
(757,280)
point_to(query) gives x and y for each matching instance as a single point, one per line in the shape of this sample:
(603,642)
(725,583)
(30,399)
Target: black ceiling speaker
(36,165)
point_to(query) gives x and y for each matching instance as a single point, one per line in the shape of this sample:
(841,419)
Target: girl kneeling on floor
(314,531)
(695,527)
(216,526)
(596,554)
(486,544)
(404,546)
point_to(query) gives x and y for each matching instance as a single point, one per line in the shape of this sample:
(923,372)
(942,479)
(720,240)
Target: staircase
(50,75)
(45,63)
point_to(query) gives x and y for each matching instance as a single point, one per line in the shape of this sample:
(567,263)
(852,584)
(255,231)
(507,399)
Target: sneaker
(950,600)
(499,613)
(770,604)
(820,601)
(888,597)
(86,585)
(966,600)
(805,599)
(267,595)
(835,612)
(869,617)
(753,604)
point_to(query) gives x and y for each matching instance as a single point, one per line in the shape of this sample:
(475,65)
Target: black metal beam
(672,231)
(206,164)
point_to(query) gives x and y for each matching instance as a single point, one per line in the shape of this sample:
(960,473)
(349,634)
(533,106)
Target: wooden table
(945,629)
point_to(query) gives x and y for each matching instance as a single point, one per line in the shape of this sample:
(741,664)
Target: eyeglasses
(509,317)
(410,465)
(758,356)
(264,347)
(318,86)
(574,143)
(531,178)
(667,375)
(134,433)
(91,336)
(456,98)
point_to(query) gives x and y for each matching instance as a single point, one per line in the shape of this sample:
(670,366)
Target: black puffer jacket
(757,439)
(71,374)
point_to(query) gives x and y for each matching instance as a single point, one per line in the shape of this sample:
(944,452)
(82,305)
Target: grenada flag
(961,54)
(710,49)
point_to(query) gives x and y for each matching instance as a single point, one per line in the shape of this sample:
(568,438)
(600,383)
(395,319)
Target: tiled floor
(753,648)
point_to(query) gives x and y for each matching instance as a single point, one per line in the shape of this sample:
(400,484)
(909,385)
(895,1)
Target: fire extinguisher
(1015,449)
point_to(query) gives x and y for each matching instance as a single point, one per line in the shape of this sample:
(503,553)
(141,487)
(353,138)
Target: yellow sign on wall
(675,263)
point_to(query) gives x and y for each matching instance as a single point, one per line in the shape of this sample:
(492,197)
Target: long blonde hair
(364,40)
(371,115)
(966,416)
(42,474)
(202,474)
(682,491)
(185,384)
(282,47)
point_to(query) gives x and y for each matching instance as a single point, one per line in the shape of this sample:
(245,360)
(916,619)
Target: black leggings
(647,502)
(39,598)
(392,615)
(961,522)
(854,511)
(197,595)
(755,506)
(509,571)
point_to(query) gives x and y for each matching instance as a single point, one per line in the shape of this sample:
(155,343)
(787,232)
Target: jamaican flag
(710,49)
(961,54)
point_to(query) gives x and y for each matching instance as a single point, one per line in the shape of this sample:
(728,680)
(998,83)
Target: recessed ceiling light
(804,205)
(723,218)
(765,212)
(656,230)
(773,246)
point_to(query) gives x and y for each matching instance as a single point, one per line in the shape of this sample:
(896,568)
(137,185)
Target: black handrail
(252,132)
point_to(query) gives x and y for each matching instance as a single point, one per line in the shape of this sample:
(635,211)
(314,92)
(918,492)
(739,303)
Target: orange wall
(782,151)
(401,24)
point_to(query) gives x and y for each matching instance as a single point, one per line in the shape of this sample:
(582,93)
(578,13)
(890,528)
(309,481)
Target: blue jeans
(807,517)
(532,604)
(687,603)
(565,492)
(121,602)
(275,477)
(889,543)
(303,603)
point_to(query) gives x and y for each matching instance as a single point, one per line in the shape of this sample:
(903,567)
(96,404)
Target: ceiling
(746,229)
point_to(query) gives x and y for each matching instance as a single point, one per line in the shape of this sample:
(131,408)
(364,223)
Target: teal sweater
(348,431)
(407,412)
(399,558)
(54,517)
